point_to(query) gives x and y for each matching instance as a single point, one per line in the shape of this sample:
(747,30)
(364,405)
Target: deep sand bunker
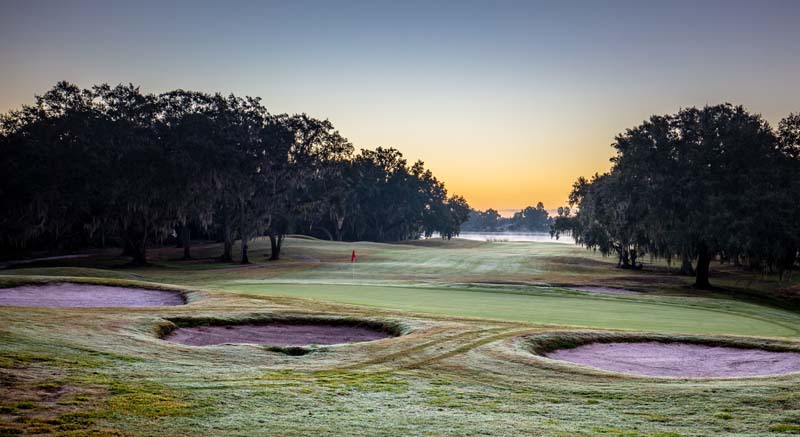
(86,295)
(684,360)
(275,334)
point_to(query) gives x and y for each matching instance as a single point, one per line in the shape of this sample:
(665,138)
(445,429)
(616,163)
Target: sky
(506,102)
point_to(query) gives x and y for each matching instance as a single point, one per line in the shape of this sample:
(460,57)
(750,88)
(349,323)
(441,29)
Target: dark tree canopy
(716,182)
(379,197)
(114,166)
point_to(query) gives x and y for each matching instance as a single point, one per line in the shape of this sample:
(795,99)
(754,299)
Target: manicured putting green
(548,308)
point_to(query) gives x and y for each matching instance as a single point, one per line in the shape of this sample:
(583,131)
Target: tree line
(115,166)
(701,184)
(529,219)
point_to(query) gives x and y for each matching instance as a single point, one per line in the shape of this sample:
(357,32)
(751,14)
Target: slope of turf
(545,307)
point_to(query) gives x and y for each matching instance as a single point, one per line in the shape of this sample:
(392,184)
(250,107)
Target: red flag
(353,257)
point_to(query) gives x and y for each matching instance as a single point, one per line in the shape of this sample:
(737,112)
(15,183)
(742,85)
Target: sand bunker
(680,359)
(607,290)
(86,295)
(275,334)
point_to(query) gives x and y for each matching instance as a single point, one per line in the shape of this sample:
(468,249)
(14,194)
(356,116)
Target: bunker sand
(274,334)
(683,360)
(86,295)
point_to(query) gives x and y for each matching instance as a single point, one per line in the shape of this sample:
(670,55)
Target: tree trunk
(686,266)
(134,238)
(186,241)
(275,242)
(243,234)
(703,264)
(179,237)
(624,258)
(245,258)
(227,236)
(227,251)
(634,256)
(139,257)
(339,225)
(136,248)
(127,250)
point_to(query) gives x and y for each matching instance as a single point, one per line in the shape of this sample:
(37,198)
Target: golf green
(550,307)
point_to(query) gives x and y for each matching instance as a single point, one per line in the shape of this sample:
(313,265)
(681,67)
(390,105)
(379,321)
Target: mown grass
(464,365)
(550,307)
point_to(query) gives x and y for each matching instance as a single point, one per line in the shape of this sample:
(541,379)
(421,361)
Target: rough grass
(464,366)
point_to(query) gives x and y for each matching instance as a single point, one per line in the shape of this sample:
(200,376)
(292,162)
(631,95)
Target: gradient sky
(507,102)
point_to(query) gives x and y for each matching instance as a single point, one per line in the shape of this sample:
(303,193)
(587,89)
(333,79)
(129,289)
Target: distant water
(513,236)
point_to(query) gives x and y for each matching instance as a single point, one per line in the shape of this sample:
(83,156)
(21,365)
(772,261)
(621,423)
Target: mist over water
(542,237)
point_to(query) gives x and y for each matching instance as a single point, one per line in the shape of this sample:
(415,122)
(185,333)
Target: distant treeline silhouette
(114,166)
(716,182)
(529,219)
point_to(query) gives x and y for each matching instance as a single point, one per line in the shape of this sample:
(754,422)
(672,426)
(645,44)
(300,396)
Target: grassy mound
(541,344)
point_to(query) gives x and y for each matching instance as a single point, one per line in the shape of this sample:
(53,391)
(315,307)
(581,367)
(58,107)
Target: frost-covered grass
(463,366)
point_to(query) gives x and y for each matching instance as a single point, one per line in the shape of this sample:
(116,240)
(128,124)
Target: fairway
(548,307)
